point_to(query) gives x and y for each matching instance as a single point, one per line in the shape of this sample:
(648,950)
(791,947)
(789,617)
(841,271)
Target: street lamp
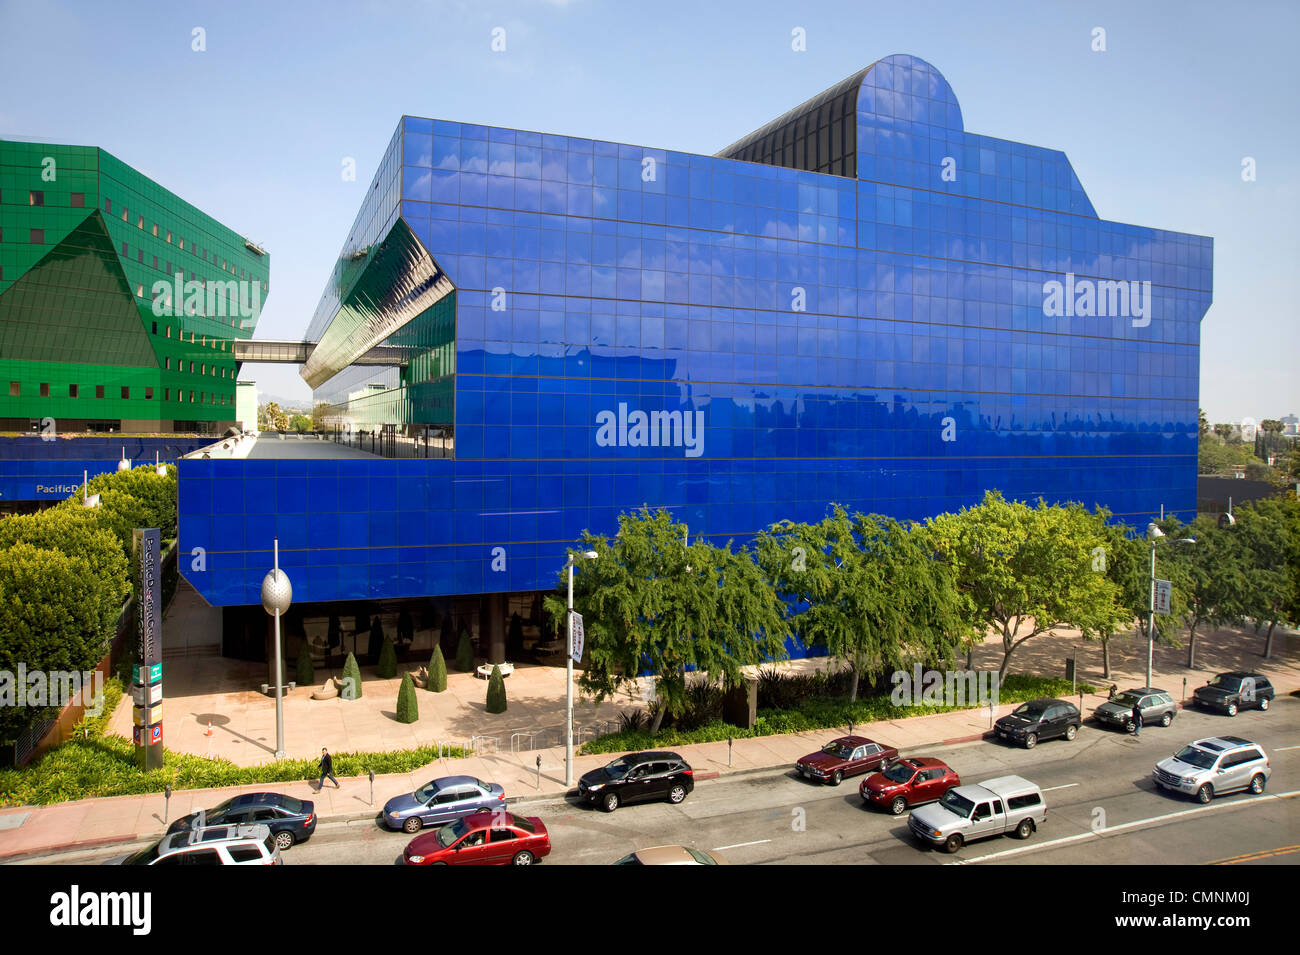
(568,680)
(1155,535)
(277,593)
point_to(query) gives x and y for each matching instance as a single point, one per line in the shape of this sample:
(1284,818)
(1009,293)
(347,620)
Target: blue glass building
(860,302)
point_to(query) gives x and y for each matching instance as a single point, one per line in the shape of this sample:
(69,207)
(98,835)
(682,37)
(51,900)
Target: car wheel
(522,858)
(898,805)
(676,794)
(1071,731)
(1257,783)
(610,802)
(1031,741)
(837,777)
(1232,709)
(284,840)
(1166,719)
(412,825)
(1025,829)
(1130,726)
(1205,793)
(953,843)
(1263,703)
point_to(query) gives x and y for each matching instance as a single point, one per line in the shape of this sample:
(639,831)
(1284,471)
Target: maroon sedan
(909,782)
(482,838)
(846,756)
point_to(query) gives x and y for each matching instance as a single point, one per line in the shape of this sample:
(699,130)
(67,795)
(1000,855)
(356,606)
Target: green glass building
(119,301)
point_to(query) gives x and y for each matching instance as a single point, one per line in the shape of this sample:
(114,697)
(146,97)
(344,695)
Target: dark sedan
(290,820)
(846,756)
(441,801)
(1039,720)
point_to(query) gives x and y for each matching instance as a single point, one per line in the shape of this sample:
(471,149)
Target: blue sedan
(442,801)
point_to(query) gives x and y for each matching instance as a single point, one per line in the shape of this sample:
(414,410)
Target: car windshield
(1196,757)
(144,856)
(1128,698)
(1227,682)
(618,769)
(838,749)
(426,792)
(449,833)
(899,773)
(1029,711)
(954,801)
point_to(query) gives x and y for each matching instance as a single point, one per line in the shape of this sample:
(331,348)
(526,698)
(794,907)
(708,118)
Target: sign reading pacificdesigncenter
(656,429)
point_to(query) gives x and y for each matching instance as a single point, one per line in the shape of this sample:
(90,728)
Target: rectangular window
(38,237)
(124,250)
(108,206)
(36,198)
(72,391)
(155,261)
(191,397)
(155,328)
(45,389)
(167,394)
(169,236)
(99,391)
(181,245)
(139,255)
(125,214)
(167,363)
(148,393)
(126,391)
(139,222)
(155,229)
(78,200)
(15,389)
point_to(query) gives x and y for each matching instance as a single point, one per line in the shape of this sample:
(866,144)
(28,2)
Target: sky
(255,128)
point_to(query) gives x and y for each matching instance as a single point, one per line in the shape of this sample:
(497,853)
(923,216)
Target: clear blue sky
(255,129)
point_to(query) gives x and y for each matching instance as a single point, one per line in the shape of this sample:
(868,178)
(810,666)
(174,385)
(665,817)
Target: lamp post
(1155,535)
(568,680)
(277,594)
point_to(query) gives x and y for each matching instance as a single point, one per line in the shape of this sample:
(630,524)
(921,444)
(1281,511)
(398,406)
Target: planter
(485,671)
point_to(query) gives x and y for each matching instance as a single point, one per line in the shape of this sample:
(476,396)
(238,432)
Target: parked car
(441,801)
(1039,720)
(1213,766)
(1234,691)
(482,838)
(908,782)
(846,756)
(1157,707)
(967,813)
(672,855)
(290,820)
(210,845)
(638,777)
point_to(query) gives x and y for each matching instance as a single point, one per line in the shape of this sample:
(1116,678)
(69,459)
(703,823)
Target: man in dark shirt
(1137,720)
(326,769)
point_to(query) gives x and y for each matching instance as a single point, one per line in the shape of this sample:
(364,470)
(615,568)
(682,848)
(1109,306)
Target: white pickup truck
(967,813)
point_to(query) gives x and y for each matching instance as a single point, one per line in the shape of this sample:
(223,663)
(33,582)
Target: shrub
(496,691)
(408,710)
(437,671)
(351,679)
(387,667)
(465,653)
(306,673)
(632,721)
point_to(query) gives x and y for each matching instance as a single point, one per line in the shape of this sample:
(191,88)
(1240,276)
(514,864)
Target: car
(1038,720)
(1210,767)
(672,855)
(441,801)
(1235,691)
(638,777)
(846,756)
(210,845)
(482,838)
(1157,706)
(966,813)
(908,782)
(290,820)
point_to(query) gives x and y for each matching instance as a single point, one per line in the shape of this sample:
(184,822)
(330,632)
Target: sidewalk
(91,822)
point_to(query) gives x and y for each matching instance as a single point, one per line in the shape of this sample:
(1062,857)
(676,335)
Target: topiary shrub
(351,689)
(496,691)
(408,710)
(465,653)
(437,671)
(306,673)
(387,666)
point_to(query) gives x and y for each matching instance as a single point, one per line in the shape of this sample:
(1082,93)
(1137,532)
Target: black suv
(290,820)
(638,777)
(1237,690)
(1039,719)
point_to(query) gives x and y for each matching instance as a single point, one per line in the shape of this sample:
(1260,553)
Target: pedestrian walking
(326,769)
(1137,720)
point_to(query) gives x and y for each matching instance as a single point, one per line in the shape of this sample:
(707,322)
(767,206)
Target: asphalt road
(1102,808)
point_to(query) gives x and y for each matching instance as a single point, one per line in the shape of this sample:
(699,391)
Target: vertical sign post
(146,681)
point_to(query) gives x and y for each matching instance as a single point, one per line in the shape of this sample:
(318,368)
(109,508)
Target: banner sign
(1164,594)
(577,636)
(146,674)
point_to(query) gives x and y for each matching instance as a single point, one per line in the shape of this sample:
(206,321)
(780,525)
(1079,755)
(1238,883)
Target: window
(503,835)
(169,332)
(169,239)
(15,389)
(99,391)
(191,368)
(155,228)
(148,393)
(181,244)
(124,250)
(191,397)
(139,255)
(139,222)
(36,198)
(982,811)
(125,214)
(167,394)
(1023,802)
(245,853)
(139,291)
(155,261)
(997,805)
(45,389)
(38,237)
(72,391)
(155,328)
(167,364)
(108,206)
(126,391)
(77,200)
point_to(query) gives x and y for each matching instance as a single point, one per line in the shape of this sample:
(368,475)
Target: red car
(909,782)
(846,756)
(482,838)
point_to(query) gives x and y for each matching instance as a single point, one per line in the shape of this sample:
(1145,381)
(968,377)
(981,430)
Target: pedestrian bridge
(297,353)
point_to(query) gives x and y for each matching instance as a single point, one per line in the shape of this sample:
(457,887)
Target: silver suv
(1213,766)
(1157,707)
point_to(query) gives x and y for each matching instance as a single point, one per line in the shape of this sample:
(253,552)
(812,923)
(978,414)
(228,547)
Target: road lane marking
(741,845)
(1050,788)
(1257,801)
(1257,856)
(1282,749)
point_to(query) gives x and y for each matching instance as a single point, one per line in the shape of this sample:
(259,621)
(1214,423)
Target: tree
(1268,547)
(651,603)
(271,418)
(1224,431)
(387,666)
(437,671)
(1216,577)
(351,679)
(872,593)
(300,423)
(306,673)
(1202,423)
(408,708)
(464,652)
(496,691)
(1027,570)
